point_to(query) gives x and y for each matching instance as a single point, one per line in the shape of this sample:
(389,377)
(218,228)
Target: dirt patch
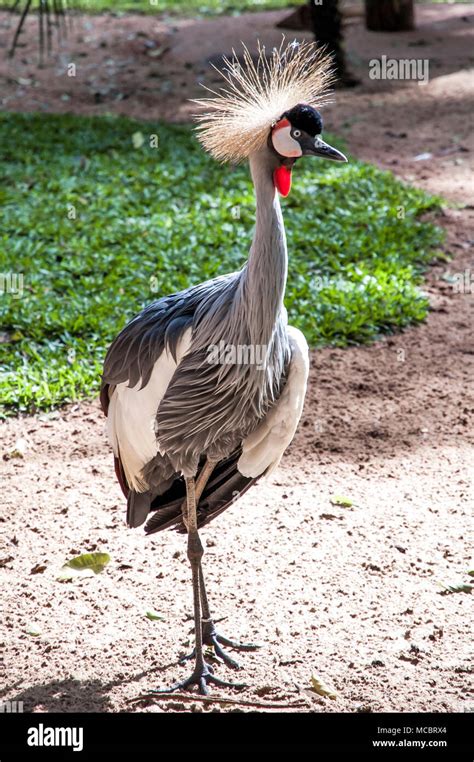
(350,594)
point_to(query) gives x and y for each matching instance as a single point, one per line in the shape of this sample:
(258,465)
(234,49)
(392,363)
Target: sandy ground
(351,595)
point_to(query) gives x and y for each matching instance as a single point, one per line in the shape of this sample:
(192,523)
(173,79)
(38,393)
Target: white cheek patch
(284,144)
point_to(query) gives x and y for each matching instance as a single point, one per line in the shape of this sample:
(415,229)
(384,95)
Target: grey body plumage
(209,408)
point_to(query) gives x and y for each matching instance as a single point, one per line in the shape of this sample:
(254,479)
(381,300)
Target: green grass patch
(191,7)
(99,224)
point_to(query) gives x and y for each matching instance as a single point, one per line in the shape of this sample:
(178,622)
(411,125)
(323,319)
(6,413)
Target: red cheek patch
(282,180)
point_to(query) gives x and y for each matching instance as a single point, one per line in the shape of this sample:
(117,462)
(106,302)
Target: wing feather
(132,412)
(262,450)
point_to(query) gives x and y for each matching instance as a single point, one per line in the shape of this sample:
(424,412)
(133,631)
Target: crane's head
(298,133)
(269,102)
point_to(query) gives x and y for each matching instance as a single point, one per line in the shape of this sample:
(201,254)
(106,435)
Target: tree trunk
(389,15)
(327,27)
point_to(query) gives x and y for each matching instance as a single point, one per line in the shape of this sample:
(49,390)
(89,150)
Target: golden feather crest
(257,92)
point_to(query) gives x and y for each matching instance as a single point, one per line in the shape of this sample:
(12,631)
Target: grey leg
(210,637)
(203,673)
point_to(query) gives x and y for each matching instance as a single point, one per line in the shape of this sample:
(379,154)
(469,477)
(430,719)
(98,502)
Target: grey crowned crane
(192,422)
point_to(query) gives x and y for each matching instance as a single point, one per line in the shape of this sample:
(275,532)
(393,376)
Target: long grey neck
(264,276)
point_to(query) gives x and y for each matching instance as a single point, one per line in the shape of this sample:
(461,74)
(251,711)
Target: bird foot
(202,676)
(210,637)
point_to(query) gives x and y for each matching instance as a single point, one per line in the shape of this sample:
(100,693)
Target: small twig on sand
(217,700)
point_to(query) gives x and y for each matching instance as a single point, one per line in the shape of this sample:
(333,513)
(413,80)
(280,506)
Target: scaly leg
(210,637)
(202,674)
(201,482)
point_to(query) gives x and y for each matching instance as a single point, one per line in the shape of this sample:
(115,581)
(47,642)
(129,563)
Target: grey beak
(325,151)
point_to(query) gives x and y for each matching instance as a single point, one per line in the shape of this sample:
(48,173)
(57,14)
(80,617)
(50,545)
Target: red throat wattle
(282,180)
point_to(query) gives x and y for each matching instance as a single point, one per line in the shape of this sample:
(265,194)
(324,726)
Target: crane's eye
(296,133)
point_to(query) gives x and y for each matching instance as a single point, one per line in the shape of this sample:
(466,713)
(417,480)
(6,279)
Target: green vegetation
(189,8)
(170,7)
(100,223)
(198,7)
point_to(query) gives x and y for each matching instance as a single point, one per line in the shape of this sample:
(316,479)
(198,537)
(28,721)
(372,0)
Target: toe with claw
(202,676)
(211,638)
